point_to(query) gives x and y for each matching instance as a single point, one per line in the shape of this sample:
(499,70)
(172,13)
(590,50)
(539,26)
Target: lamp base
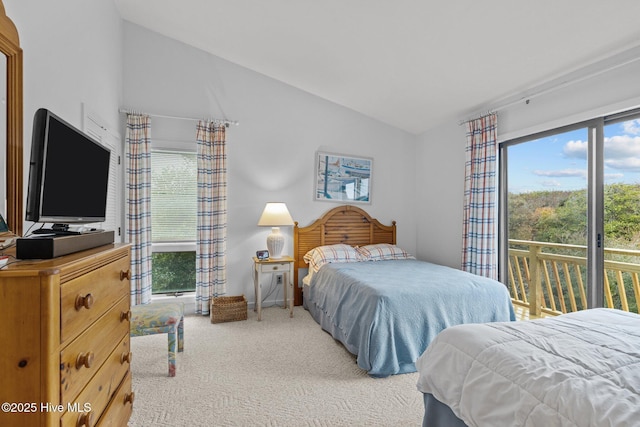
(275,243)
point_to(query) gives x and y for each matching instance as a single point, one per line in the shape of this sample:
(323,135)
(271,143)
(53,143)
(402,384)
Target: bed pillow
(383,251)
(317,257)
(306,280)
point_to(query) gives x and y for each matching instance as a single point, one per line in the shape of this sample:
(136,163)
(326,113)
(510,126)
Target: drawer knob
(84,301)
(275,267)
(85,419)
(84,359)
(129,397)
(125,275)
(125,315)
(126,357)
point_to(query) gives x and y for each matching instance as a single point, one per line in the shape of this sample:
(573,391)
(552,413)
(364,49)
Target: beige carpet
(278,372)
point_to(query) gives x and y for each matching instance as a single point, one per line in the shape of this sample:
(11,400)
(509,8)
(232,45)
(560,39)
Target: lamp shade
(275,215)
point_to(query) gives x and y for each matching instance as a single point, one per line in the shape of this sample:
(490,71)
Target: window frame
(175,146)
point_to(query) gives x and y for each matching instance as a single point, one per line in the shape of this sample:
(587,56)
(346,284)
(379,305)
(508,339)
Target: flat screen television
(68,175)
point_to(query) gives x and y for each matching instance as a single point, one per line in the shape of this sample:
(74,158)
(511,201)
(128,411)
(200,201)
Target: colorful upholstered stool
(160,318)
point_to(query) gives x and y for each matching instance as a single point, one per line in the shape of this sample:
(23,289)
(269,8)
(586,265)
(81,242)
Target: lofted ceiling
(412,64)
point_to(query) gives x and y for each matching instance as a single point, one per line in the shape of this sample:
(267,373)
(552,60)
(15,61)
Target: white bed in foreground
(579,369)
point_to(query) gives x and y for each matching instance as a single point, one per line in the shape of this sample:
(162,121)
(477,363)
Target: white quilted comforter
(579,369)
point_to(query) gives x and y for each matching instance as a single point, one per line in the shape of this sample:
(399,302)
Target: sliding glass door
(570,216)
(545,192)
(622,213)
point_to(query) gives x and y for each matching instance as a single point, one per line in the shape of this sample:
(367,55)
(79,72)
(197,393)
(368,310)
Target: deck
(547,279)
(522,312)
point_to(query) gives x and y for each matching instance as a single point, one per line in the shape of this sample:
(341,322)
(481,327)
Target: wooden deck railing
(551,277)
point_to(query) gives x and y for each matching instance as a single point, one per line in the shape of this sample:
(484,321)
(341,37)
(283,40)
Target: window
(173,221)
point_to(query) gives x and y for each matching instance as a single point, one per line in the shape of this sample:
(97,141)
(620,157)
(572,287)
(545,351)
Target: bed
(577,369)
(380,302)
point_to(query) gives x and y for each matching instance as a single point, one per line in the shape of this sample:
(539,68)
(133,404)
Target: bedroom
(277,123)
(257,102)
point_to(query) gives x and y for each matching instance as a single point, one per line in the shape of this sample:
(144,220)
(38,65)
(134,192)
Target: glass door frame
(595,202)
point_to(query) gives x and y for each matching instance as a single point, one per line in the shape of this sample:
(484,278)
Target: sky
(559,162)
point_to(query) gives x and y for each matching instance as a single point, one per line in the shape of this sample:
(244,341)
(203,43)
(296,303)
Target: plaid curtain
(211,245)
(479,240)
(138,142)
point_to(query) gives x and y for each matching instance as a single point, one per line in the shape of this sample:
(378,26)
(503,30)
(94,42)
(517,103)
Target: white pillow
(317,257)
(306,280)
(383,251)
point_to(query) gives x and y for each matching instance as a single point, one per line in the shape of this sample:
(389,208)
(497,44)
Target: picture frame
(342,178)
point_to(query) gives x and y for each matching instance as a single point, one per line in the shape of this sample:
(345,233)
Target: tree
(173,271)
(622,212)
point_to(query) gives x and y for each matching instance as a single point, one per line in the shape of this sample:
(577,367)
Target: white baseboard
(189,301)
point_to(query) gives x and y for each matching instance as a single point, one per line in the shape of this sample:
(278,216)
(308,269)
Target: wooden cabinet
(65,340)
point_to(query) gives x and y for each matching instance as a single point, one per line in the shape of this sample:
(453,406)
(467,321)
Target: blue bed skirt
(437,414)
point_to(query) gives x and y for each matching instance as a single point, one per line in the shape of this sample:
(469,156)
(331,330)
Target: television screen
(68,173)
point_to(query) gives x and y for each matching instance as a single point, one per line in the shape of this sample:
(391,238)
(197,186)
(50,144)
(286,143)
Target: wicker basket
(228,309)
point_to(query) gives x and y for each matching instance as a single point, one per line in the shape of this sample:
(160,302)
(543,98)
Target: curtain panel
(138,154)
(211,279)
(479,240)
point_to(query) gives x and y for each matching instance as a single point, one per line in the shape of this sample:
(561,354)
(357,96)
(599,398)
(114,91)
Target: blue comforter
(387,312)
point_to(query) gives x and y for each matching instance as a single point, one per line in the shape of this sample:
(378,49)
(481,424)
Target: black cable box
(47,247)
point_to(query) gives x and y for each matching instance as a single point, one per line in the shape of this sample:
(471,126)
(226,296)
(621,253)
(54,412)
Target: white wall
(440,155)
(72,55)
(271,153)
(607,93)
(440,176)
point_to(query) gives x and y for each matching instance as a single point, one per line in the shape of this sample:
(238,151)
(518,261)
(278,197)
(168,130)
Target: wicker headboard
(344,224)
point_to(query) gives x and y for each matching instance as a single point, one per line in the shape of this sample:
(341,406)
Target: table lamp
(275,215)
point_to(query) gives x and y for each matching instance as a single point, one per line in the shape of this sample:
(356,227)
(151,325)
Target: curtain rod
(477,116)
(553,88)
(225,121)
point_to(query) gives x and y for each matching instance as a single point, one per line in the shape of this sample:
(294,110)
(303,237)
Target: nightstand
(282,265)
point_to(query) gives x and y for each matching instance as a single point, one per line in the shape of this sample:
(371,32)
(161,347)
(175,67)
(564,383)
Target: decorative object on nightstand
(275,215)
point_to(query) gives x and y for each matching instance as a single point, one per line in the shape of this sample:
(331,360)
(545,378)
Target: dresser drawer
(274,267)
(119,410)
(84,299)
(82,358)
(102,389)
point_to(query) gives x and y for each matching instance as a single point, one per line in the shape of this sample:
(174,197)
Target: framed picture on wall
(343,178)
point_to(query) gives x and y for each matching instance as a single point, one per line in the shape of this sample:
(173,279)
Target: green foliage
(561,216)
(531,212)
(173,272)
(622,211)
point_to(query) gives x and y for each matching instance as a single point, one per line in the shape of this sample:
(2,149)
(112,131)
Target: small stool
(160,318)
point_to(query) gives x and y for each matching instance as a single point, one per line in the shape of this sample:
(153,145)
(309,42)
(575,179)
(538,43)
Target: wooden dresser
(65,340)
